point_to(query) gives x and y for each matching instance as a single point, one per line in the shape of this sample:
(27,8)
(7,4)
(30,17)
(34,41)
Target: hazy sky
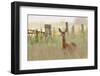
(33,18)
(38,21)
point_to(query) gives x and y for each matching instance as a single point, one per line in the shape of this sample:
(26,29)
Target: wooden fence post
(73,29)
(82,27)
(47,31)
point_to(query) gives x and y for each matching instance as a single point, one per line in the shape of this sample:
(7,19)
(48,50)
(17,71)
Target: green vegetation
(42,49)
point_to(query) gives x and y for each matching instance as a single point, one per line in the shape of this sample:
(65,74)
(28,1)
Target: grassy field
(52,48)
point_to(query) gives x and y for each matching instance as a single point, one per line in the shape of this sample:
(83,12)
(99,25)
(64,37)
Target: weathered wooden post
(36,36)
(67,30)
(82,27)
(41,34)
(47,31)
(73,29)
(53,33)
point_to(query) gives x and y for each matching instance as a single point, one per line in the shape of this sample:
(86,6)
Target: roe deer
(65,45)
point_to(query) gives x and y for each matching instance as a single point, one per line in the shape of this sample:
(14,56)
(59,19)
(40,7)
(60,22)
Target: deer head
(66,30)
(63,37)
(62,32)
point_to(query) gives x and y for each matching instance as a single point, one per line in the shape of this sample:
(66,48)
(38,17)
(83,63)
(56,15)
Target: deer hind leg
(69,46)
(76,49)
(66,52)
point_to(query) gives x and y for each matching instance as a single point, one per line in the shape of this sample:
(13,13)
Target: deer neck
(63,42)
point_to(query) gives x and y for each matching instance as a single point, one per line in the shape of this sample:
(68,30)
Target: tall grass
(52,48)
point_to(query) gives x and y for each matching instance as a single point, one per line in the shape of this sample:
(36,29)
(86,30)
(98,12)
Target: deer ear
(60,30)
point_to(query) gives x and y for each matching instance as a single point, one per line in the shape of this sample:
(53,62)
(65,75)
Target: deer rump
(69,46)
